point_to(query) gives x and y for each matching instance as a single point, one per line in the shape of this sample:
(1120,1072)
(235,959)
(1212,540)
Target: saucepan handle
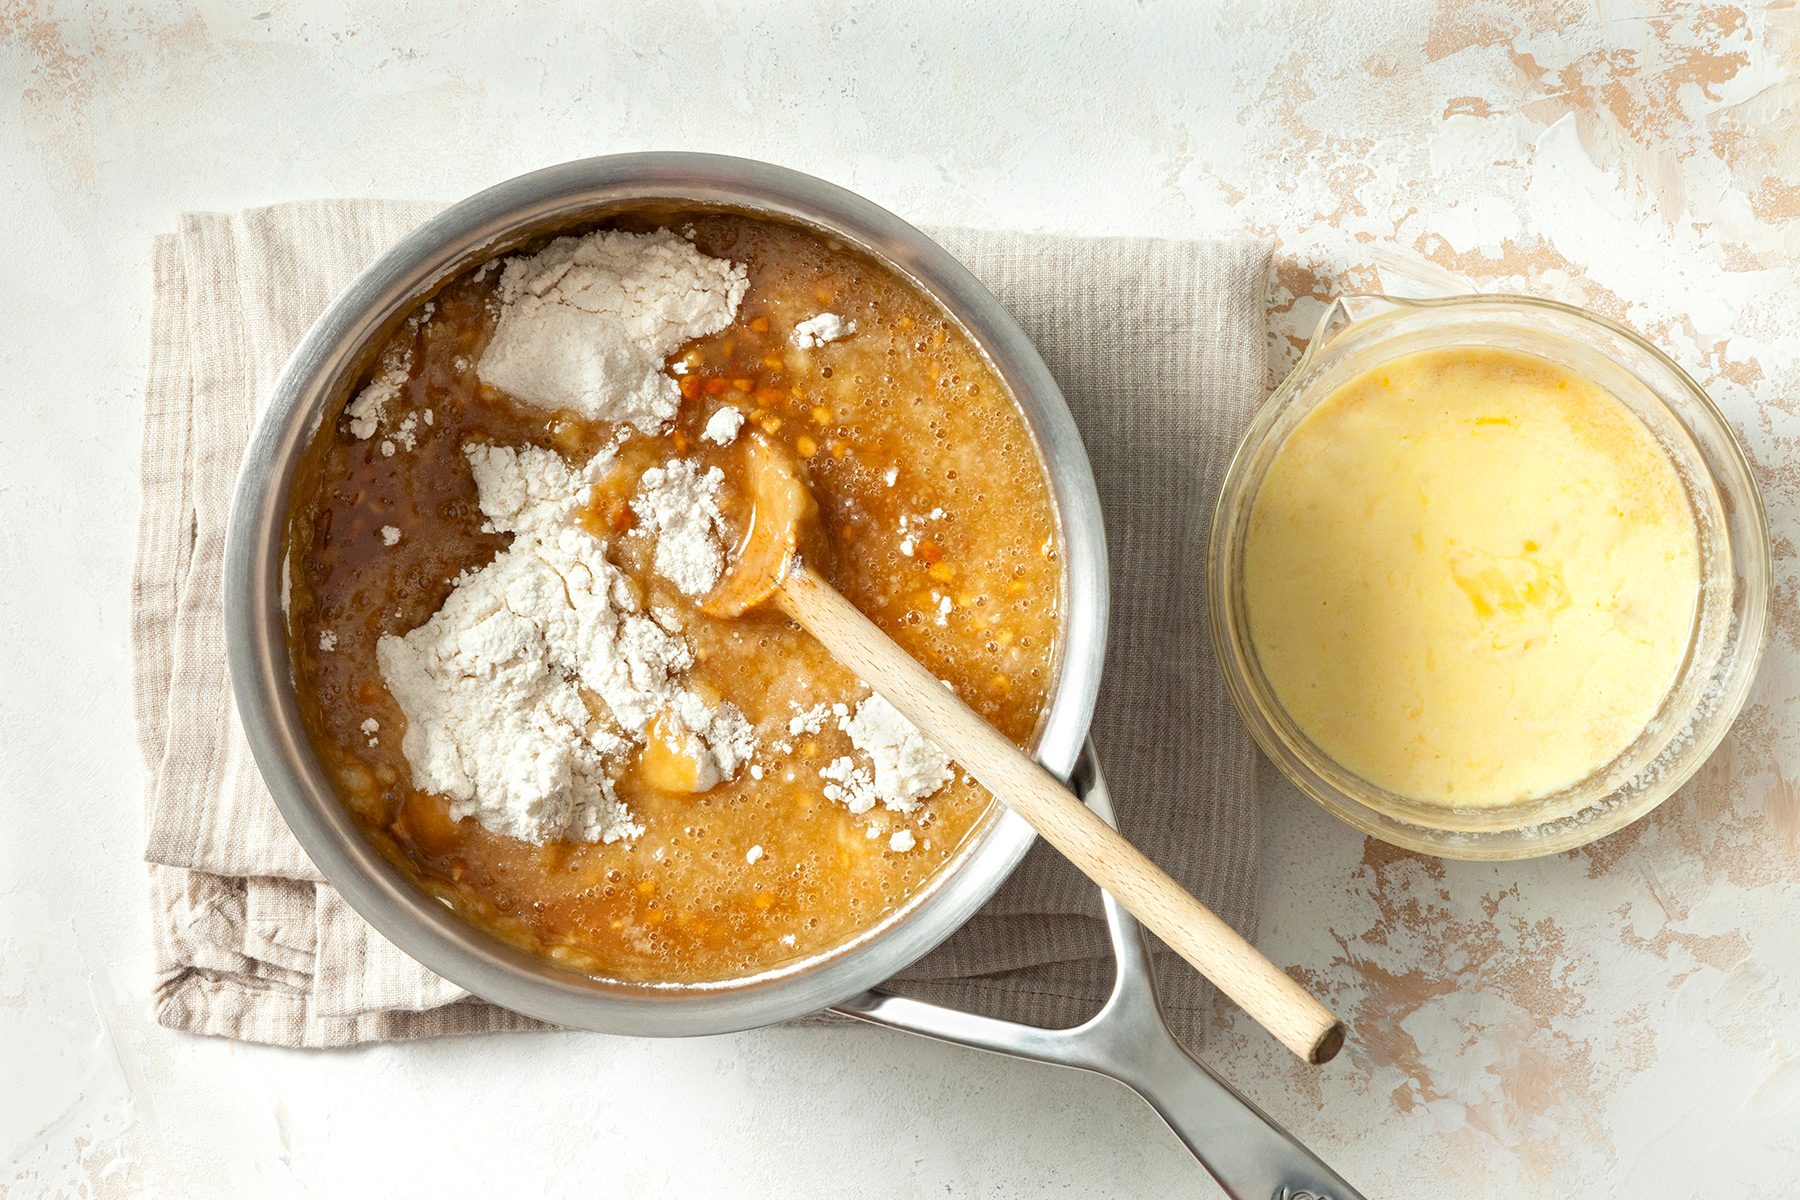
(1246,1152)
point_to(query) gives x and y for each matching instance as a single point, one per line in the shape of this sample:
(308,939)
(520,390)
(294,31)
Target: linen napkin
(1159,347)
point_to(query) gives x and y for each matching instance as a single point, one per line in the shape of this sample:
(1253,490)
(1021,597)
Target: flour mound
(902,769)
(523,693)
(494,720)
(586,323)
(531,490)
(678,504)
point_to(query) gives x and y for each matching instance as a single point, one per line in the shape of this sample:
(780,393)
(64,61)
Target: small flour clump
(586,322)
(904,767)
(679,504)
(722,427)
(717,740)
(826,327)
(369,409)
(365,412)
(811,720)
(525,689)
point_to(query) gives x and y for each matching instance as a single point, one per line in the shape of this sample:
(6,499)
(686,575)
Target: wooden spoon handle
(1191,929)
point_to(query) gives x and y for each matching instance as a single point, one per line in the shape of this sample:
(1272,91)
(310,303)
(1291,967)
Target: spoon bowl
(783,513)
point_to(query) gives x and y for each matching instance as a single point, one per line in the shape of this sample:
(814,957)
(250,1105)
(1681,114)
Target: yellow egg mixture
(1470,576)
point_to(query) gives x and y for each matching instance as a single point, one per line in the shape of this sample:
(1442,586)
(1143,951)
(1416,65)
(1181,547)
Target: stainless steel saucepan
(1247,1153)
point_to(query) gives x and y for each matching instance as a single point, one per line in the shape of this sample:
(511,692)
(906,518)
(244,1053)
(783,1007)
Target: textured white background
(1622,1021)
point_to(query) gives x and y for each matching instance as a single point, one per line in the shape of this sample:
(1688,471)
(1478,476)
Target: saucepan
(1248,1154)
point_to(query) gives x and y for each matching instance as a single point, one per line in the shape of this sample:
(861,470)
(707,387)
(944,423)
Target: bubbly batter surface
(1470,576)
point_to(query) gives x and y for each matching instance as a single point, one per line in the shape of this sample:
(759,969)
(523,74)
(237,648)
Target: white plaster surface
(1616,1022)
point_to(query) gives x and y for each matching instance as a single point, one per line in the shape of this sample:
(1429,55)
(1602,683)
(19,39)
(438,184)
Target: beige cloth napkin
(1159,347)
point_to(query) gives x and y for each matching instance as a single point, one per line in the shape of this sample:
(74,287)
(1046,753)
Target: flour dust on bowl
(466,557)
(1489,575)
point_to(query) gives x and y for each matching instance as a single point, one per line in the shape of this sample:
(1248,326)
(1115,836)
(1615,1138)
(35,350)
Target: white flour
(679,506)
(912,529)
(586,323)
(496,686)
(902,767)
(811,720)
(367,412)
(716,740)
(530,490)
(722,427)
(826,327)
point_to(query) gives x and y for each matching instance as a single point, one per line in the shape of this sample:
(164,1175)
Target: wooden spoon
(773,562)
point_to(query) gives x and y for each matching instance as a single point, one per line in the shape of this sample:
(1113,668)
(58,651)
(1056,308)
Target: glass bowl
(1730,622)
